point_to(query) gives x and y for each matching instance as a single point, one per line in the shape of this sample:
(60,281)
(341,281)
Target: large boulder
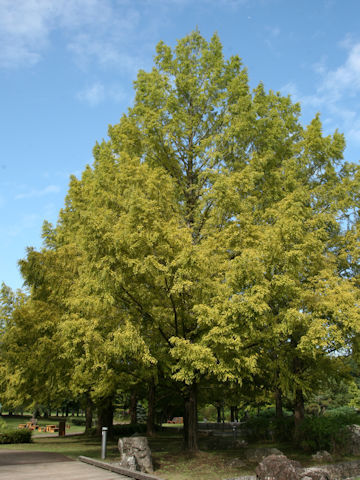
(135,454)
(278,467)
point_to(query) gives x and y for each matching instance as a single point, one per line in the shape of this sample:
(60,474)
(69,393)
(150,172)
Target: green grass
(170,462)
(14,421)
(72,446)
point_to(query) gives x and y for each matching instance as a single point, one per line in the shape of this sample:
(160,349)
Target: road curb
(116,469)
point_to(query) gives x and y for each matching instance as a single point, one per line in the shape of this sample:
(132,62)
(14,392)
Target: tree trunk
(236,412)
(150,422)
(133,412)
(190,420)
(218,409)
(105,414)
(232,414)
(299,412)
(278,403)
(88,414)
(36,413)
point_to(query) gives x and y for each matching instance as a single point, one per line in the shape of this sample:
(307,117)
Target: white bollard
(103,442)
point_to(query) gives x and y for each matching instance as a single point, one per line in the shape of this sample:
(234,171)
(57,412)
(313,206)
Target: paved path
(21,465)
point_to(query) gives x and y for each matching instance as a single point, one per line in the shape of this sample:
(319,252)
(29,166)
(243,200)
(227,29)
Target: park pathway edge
(116,469)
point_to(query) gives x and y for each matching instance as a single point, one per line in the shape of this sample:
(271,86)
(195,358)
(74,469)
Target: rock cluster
(279,467)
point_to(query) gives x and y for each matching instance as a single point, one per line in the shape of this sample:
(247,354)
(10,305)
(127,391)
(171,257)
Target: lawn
(170,462)
(14,421)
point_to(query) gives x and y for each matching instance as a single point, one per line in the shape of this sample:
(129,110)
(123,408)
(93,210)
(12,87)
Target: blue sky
(67,67)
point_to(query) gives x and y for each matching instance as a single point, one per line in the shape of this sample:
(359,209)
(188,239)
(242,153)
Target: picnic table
(41,428)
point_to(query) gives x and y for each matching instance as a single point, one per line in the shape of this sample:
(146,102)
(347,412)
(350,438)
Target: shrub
(121,430)
(15,436)
(282,428)
(324,433)
(3,426)
(347,415)
(127,429)
(267,427)
(257,428)
(81,422)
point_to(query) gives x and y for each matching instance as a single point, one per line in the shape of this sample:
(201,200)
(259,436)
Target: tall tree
(206,237)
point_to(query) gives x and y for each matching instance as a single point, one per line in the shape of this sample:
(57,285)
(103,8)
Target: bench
(51,428)
(176,420)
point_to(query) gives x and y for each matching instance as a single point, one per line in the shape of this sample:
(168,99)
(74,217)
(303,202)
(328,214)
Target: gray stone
(322,457)
(344,470)
(257,454)
(315,473)
(277,467)
(135,454)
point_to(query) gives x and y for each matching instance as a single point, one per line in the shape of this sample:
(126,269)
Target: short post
(234,429)
(103,442)
(62,427)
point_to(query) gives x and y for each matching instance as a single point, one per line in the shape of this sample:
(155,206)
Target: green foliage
(3,426)
(266,427)
(348,414)
(15,436)
(328,432)
(126,430)
(121,430)
(206,242)
(323,433)
(141,414)
(79,422)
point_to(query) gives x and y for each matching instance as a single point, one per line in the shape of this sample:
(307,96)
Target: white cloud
(23,30)
(50,189)
(106,53)
(95,31)
(338,93)
(26,25)
(346,77)
(93,95)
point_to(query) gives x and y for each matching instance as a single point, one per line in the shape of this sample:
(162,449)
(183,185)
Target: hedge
(16,436)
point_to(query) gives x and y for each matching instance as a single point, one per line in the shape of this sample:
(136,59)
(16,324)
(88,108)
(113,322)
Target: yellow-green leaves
(213,237)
